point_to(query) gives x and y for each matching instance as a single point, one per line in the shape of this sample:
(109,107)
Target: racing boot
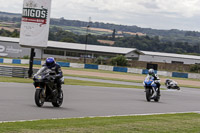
(158,91)
(59,91)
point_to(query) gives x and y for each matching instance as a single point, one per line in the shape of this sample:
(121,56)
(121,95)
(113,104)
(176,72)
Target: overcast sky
(157,14)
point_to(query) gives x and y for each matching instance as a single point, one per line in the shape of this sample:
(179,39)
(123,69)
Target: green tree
(195,68)
(100,60)
(68,40)
(119,60)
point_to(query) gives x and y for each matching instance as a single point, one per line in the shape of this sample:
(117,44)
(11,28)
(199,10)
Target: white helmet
(151,72)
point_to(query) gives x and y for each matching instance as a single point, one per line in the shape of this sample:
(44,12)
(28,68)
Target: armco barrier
(120,69)
(179,75)
(90,66)
(6,71)
(19,72)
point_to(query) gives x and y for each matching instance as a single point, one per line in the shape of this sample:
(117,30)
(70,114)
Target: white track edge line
(198,112)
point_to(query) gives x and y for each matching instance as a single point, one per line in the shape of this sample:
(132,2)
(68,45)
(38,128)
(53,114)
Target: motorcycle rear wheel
(178,88)
(39,100)
(157,99)
(59,100)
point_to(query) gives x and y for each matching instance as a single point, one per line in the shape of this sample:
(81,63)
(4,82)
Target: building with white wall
(169,58)
(9,47)
(67,50)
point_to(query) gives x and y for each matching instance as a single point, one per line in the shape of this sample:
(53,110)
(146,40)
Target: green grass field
(167,123)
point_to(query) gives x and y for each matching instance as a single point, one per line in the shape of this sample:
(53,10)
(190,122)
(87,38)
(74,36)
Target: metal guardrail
(19,72)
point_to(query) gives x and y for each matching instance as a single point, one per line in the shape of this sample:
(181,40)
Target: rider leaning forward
(51,64)
(151,72)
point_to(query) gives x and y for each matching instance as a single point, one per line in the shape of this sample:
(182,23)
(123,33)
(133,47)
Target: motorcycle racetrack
(17,102)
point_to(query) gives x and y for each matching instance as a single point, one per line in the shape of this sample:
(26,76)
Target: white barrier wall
(104,67)
(42,62)
(7,60)
(76,65)
(193,76)
(24,61)
(164,73)
(134,70)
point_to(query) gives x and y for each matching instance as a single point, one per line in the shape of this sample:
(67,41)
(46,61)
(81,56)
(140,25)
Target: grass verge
(167,123)
(104,78)
(115,79)
(92,83)
(15,80)
(71,82)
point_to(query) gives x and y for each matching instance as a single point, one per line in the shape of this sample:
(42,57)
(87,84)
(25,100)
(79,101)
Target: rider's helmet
(151,72)
(167,80)
(50,62)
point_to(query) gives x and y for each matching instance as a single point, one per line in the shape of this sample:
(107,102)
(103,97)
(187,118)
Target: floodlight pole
(86,41)
(30,71)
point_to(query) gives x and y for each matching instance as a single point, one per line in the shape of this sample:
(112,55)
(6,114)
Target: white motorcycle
(171,84)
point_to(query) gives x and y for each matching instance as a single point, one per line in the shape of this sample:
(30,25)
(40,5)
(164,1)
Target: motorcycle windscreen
(148,80)
(43,70)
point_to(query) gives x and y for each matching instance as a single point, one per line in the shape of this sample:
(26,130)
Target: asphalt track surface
(108,81)
(17,102)
(104,81)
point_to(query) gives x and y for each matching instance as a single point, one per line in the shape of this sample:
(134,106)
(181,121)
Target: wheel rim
(41,99)
(60,99)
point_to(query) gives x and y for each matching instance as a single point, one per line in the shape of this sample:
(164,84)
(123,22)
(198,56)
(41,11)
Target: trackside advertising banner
(35,23)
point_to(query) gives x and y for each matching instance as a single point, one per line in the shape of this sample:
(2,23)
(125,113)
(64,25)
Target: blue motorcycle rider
(156,83)
(51,64)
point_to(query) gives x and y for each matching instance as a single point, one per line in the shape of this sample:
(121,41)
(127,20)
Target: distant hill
(10,15)
(100,28)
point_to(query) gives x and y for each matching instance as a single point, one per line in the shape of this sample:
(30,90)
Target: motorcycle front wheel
(148,94)
(39,100)
(59,100)
(178,88)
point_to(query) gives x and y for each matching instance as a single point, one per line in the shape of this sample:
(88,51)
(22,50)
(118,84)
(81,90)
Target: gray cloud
(159,14)
(151,4)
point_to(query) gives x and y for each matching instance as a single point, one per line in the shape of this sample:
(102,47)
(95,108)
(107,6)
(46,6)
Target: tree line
(7,33)
(12,17)
(145,43)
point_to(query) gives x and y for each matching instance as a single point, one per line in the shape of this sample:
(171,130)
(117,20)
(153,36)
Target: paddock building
(9,47)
